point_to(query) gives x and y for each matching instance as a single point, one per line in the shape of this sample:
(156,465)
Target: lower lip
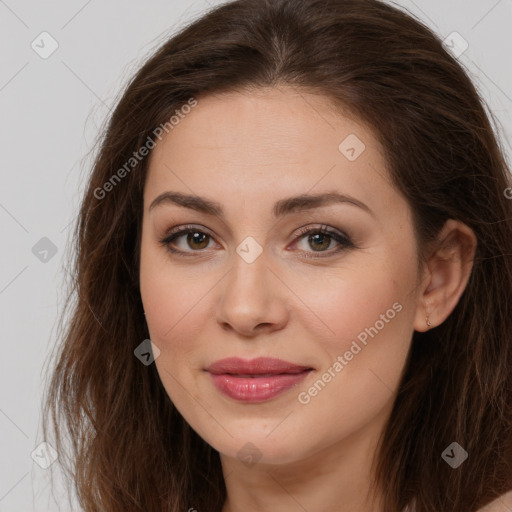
(256,389)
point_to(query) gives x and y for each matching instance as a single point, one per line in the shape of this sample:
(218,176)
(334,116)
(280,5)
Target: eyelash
(341,238)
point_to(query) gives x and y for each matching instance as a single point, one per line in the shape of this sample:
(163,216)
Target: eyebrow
(282,207)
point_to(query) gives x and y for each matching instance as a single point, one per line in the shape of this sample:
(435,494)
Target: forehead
(277,124)
(268,142)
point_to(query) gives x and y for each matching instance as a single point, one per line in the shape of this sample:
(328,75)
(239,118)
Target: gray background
(51,111)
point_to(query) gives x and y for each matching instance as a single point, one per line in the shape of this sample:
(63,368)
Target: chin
(258,448)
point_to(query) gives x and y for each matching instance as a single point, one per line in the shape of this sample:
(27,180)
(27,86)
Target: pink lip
(255,380)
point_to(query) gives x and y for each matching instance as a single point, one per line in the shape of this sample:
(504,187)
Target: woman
(215,360)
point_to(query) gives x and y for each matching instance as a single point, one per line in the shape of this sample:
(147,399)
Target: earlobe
(449,269)
(425,319)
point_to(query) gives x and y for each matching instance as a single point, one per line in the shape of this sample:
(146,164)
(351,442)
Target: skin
(247,150)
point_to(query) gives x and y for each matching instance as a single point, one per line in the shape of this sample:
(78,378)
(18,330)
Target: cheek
(366,334)
(175,302)
(345,304)
(162,292)
(172,303)
(366,318)
(363,350)
(172,311)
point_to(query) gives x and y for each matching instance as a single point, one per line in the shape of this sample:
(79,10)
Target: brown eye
(187,241)
(319,239)
(196,237)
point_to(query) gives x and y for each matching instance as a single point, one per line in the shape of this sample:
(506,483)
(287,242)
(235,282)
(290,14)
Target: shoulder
(501,504)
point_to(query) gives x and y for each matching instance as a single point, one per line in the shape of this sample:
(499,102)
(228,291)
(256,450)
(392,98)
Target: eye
(195,238)
(320,239)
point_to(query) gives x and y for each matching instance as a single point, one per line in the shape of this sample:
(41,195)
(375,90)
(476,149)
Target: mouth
(257,380)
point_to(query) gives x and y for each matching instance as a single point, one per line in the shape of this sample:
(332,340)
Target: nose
(252,299)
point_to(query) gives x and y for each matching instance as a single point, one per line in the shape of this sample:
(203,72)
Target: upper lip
(260,365)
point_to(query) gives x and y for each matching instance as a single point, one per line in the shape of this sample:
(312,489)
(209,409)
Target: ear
(446,275)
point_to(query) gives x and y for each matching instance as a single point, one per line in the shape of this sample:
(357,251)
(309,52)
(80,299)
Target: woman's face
(244,286)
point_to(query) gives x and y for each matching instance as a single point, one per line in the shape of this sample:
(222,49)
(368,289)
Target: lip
(255,380)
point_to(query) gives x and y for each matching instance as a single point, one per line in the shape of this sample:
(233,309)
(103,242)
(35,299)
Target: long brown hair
(130,449)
